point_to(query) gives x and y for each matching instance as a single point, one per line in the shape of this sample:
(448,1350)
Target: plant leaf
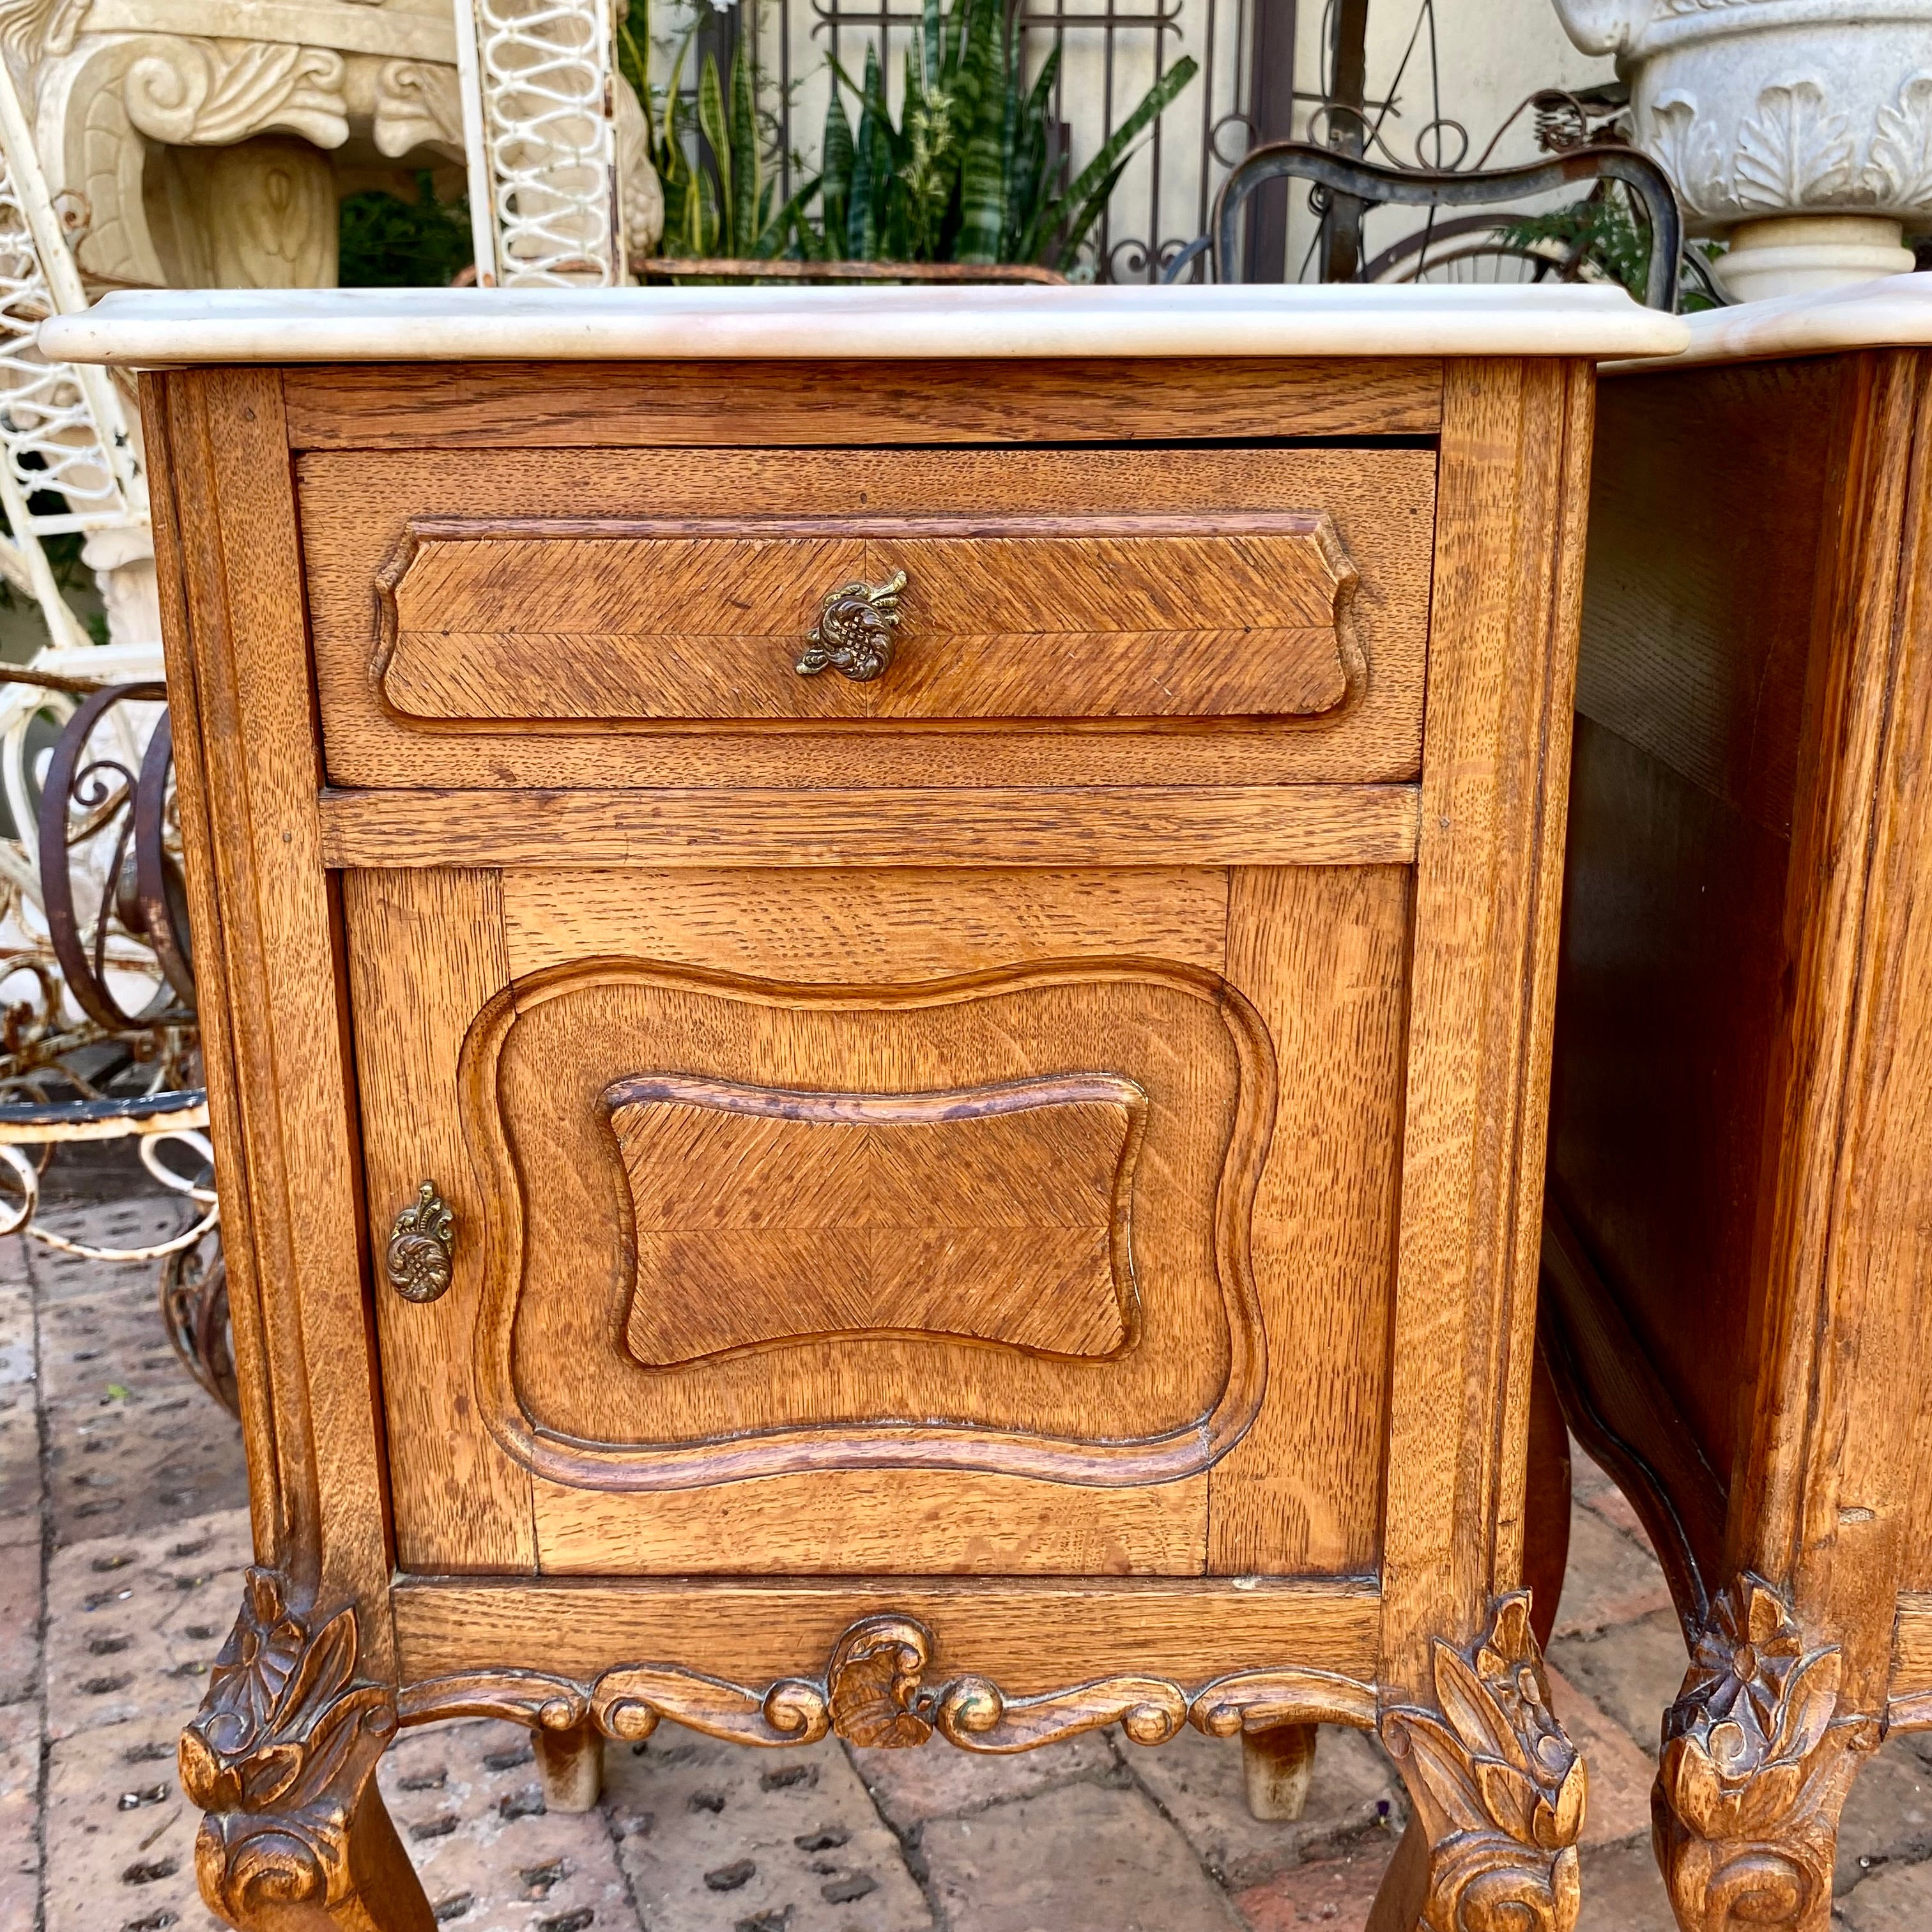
(711,125)
(772,238)
(746,207)
(836,173)
(1081,205)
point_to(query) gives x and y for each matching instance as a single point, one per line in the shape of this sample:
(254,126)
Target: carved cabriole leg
(1498,1790)
(1279,1764)
(571,1763)
(1756,1765)
(281,1756)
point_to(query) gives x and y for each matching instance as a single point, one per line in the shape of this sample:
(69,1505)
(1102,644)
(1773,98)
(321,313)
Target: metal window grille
(1112,53)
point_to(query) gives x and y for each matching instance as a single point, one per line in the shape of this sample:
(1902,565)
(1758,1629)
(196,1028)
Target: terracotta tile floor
(123,1529)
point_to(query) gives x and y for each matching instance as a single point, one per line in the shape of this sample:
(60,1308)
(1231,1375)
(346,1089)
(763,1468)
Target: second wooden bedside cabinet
(1741,1199)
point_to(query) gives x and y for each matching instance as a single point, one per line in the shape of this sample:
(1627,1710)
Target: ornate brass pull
(854,631)
(422,1246)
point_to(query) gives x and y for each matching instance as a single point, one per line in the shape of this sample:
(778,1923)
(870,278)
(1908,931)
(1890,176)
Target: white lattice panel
(543,68)
(61,428)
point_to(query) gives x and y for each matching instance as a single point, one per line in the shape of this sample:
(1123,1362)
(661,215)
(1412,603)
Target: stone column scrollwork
(208,93)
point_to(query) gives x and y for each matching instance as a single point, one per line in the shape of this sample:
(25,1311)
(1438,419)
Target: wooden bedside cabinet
(1736,1291)
(878,1026)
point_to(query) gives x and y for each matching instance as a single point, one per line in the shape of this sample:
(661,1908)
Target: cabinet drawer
(637,618)
(1246,615)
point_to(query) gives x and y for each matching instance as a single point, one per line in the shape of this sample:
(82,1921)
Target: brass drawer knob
(422,1246)
(854,631)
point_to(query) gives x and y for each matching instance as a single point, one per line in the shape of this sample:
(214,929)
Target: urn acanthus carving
(1772,110)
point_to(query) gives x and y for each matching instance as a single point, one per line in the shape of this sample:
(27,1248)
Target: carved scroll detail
(1498,1788)
(211,92)
(278,1757)
(877,1691)
(1756,1763)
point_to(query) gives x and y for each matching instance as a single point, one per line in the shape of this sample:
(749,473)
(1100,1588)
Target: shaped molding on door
(997,1222)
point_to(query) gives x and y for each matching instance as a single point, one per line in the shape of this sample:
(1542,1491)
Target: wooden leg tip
(1280,1765)
(572,1763)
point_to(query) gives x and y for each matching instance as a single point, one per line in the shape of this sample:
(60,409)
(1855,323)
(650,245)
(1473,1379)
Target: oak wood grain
(426,953)
(1000,617)
(1003,1214)
(1515,443)
(1672,964)
(1854,1472)
(567,1266)
(283,1121)
(1324,956)
(706,404)
(357,511)
(861,1523)
(882,924)
(1032,1636)
(1145,826)
(1908,1694)
(1697,619)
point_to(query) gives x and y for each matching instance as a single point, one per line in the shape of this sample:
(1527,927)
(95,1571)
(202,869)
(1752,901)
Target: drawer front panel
(1119,617)
(1104,617)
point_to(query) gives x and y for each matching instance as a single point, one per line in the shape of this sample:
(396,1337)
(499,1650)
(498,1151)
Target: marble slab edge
(1893,312)
(162,328)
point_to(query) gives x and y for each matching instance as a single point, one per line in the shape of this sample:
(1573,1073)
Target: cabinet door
(923,1205)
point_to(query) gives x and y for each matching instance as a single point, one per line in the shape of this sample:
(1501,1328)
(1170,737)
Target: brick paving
(123,1529)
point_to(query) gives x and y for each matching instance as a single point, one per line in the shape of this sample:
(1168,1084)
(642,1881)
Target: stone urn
(1801,130)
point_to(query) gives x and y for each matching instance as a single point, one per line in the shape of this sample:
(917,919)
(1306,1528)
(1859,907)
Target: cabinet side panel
(1671,972)
(1708,489)
(1863,1530)
(280,1483)
(1324,957)
(1705,492)
(1502,655)
(289,1131)
(425,954)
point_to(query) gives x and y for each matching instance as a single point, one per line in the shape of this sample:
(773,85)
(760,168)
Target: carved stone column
(281,1757)
(123,563)
(259,214)
(1757,1760)
(1499,1790)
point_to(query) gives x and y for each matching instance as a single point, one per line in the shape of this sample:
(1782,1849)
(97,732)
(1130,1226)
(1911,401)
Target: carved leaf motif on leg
(1499,1789)
(279,1757)
(1756,1765)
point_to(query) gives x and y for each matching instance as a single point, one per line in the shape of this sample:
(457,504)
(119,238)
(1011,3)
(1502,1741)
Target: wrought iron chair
(105,1047)
(1337,178)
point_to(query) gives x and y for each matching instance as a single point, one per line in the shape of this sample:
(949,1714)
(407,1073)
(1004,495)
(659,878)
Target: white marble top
(461,325)
(1895,311)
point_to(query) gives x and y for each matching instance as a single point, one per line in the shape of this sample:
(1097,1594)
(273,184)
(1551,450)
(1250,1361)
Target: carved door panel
(770,1212)
(997,1223)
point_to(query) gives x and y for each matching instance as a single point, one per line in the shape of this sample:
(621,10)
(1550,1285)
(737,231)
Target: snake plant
(968,172)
